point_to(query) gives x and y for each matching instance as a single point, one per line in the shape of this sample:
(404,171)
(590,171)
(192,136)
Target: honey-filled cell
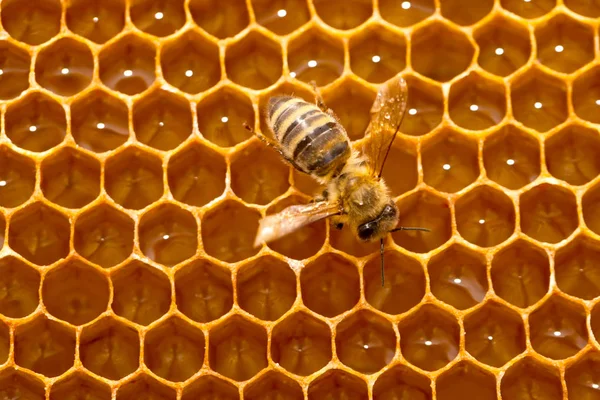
(131,193)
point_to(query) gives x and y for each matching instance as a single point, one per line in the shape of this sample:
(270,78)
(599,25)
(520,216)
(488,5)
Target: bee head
(378,227)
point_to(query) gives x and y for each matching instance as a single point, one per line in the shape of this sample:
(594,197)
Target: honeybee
(311,138)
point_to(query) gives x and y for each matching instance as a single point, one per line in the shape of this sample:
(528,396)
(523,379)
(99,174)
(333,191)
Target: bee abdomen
(313,139)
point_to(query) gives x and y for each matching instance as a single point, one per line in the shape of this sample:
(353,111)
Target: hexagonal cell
(70,178)
(128,65)
(281,16)
(337,384)
(266,288)
(40,234)
(548,213)
(14,64)
(17,384)
(539,101)
(221,117)
(404,283)
(528,9)
(377,54)
(521,273)
(44,346)
(273,385)
(558,329)
(316,56)
(4,342)
(571,154)
(191,63)
(466,379)
(254,62)
(410,12)
(210,387)
(19,288)
(196,175)
(142,293)
(17,178)
(174,350)
(110,349)
(220,19)
(301,344)
(485,216)
(586,95)
(455,11)
(450,161)
(145,387)
(440,52)
(402,382)
(351,103)
(476,102)
(134,178)
(75,292)
(528,379)
(430,338)
(157,17)
(168,234)
(494,334)
(259,174)
(423,209)
(35,122)
(162,120)
(504,46)
(31,23)
(203,291)
(330,285)
(591,208)
(304,242)
(458,277)
(425,107)
(511,157)
(79,386)
(345,15)
(582,378)
(365,342)
(65,67)
(224,243)
(563,44)
(237,348)
(576,266)
(98,22)
(99,122)
(584,7)
(104,236)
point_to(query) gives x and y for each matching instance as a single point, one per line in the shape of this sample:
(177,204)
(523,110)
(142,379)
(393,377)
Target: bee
(311,138)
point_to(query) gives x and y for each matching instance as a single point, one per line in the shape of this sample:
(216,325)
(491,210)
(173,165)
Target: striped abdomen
(311,138)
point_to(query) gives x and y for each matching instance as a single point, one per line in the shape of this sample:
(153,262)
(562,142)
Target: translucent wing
(291,219)
(387,113)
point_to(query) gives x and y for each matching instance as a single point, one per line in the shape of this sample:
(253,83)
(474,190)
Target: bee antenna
(382,266)
(405,228)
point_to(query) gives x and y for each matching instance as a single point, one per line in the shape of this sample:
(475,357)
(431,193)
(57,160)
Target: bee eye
(388,211)
(366,230)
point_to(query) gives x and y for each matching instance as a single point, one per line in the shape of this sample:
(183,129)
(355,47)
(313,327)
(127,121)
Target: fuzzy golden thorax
(367,206)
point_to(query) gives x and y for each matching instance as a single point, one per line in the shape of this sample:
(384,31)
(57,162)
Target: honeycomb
(130,194)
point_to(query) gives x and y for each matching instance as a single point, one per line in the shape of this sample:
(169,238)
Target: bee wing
(387,114)
(275,226)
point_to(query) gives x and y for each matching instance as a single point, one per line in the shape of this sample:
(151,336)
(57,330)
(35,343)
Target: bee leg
(318,98)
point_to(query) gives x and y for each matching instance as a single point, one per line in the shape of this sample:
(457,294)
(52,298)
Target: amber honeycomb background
(130,195)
